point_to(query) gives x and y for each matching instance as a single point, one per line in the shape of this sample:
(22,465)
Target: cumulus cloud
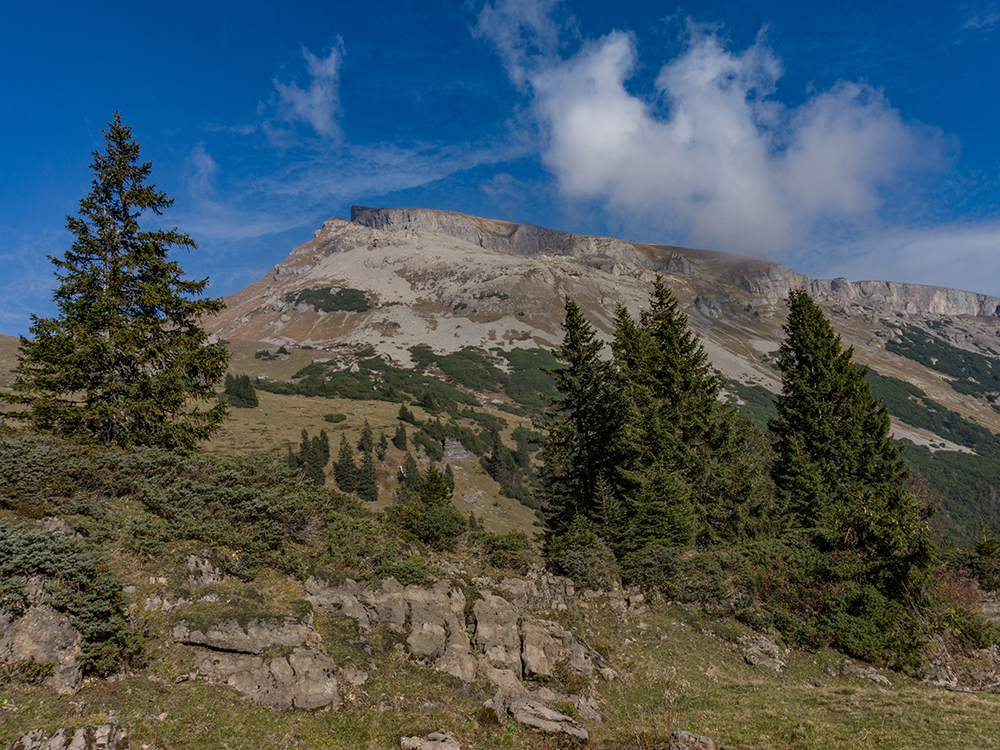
(318,104)
(709,157)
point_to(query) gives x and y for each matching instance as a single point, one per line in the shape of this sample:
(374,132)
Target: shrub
(582,555)
(76,582)
(653,568)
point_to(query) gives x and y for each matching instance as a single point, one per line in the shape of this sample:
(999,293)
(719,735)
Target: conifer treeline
(642,453)
(239,392)
(640,446)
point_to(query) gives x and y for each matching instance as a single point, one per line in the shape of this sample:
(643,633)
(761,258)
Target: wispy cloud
(297,173)
(27,284)
(709,157)
(985,19)
(201,171)
(318,104)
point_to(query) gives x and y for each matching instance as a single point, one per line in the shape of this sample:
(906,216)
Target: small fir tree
(399,439)
(367,479)
(127,357)
(345,471)
(410,476)
(381,447)
(367,441)
(449,477)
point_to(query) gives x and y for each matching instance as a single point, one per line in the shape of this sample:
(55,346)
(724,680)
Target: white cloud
(201,171)
(317,105)
(709,157)
(523,31)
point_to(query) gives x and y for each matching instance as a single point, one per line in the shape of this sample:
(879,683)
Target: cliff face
(449,281)
(767,282)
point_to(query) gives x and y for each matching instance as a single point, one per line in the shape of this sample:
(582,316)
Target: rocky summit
(393,278)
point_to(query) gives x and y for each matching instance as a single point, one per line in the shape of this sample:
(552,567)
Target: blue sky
(859,139)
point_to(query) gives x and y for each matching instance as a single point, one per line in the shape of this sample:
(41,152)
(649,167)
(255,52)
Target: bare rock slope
(449,281)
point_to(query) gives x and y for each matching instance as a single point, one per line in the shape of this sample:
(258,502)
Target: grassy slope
(681,667)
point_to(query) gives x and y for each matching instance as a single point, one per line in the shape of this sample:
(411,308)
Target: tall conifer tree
(584,440)
(837,468)
(127,355)
(345,471)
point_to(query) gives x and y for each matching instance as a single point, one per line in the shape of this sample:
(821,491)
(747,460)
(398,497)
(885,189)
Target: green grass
(326,300)
(975,374)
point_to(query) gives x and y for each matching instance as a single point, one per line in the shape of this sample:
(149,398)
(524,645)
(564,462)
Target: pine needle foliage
(126,356)
(346,471)
(837,468)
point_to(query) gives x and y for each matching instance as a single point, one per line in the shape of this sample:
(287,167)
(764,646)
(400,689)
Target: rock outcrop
(767,281)
(234,655)
(48,637)
(494,638)
(305,679)
(109,736)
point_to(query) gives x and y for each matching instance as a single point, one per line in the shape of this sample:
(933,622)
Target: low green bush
(76,582)
(582,555)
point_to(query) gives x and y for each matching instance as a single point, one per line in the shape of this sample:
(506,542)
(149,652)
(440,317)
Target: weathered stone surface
(990,606)
(108,736)
(683,740)
(305,680)
(538,589)
(762,652)
(48,637)
(353,675)
(201,571)
(864,672)
(497,636)
(536,714)
(432,741)
(586,707)
(258,635)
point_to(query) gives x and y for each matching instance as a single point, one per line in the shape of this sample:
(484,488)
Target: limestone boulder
(108,736)
(432,741)
(304,680)
(48,637)
(762,652)
(253,638)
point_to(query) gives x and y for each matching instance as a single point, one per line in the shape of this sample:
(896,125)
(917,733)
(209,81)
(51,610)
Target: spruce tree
(837,469)
(247,392)
(367,441)
(321,448)
(367,479)
(584,427)
(381,447)
(345,471)
(680,424)
(411,478)
(399,439)
(127,357)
